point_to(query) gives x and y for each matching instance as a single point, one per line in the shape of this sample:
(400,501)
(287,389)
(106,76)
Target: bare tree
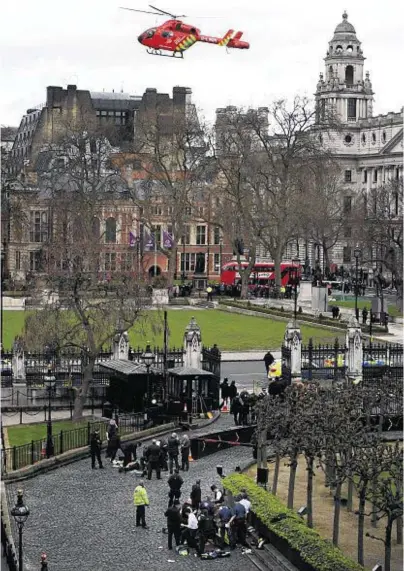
(388,493)
(93,289)
(379,229)
(236,188)
(286,154)
(170,152)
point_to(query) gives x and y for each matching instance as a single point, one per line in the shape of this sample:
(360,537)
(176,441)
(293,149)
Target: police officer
(95,449)
(173,451)
(173,516)
(185,445)
(175,482)
(153,460)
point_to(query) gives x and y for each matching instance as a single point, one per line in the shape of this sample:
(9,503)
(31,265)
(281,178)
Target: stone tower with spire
(342,88)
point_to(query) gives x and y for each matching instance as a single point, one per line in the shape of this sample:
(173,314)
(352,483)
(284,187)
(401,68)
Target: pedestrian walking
(153,454)
(209,291)
(173,516)
(175,482)
(232,390)
(141,500)
(95,449)
(268,360)
(173,452)
(236,408)
(196,495)
(185,446)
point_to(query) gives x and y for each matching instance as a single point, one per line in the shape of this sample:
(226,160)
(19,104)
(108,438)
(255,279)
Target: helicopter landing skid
(153,52)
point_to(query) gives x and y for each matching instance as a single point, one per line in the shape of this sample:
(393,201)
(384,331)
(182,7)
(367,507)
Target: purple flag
(149,242)
(167,240)
(132,240)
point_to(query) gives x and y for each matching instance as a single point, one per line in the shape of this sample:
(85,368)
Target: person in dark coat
(196,495)
(95,449)
(268,360)
(173,516)
(173,452)
(277,387)
(232,390)
(364,315)
(111,432)
(115,443)
(236,408)
(224,391)
(153,454)
(130,453)
(185,446)
(175,482)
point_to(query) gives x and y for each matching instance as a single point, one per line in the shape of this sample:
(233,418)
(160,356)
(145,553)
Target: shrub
(314,550)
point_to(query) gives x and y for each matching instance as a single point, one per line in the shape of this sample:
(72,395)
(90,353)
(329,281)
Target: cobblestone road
(84,519)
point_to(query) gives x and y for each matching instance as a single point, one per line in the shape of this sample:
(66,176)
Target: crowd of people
(219,518)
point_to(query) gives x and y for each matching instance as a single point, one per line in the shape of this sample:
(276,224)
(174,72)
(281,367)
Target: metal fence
(17,457)
(211,360)
(175,356)
(324,361)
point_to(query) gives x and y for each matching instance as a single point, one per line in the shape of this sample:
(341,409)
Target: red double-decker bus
(262,273)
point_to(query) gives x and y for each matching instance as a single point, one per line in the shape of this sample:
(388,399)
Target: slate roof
(127,367)
(190,372)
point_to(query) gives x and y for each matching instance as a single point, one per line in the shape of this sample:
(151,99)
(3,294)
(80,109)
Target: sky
(93,44)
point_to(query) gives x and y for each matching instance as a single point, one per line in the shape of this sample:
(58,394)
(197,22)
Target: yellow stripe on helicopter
(186,43)
(226,38)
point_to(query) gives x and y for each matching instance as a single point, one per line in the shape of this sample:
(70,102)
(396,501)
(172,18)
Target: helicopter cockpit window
(166,34)
(150,33)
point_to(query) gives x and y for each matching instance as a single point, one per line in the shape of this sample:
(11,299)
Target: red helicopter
(176,37)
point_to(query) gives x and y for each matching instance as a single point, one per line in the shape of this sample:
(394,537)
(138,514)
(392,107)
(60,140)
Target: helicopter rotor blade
(142,11)
(168,13)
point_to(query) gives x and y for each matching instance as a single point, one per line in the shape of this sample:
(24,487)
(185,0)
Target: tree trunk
(399,531)
(374,507)
(82,393)
(337,510)
(361,524)
(310,475)
(387,546)
(172,265)
(276,474)
(244,284)
(278,273)
(292,478)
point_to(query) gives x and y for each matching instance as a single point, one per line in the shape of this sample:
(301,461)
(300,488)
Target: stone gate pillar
(18,361)
(193,345)
(293,340)
(120,346)
(355,348)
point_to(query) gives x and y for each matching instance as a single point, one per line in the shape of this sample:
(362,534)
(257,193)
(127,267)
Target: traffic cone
(190,459)
(224,408)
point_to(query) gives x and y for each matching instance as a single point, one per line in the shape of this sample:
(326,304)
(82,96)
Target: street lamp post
(357,253)
(20,513)
(50,383)
(3,274)
(220,255)
(296,263)
(148,360)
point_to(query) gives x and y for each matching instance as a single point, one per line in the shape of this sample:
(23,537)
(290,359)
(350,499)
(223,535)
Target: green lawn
(229,331)
(24,433)
(392,309)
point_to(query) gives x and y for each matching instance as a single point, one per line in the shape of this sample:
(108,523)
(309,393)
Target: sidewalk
(13,418)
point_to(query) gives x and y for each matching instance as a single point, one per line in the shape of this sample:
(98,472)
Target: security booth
(193,387)
(133,387)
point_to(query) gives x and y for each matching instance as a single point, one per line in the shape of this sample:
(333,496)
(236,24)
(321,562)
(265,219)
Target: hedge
(314,550)
(320,320)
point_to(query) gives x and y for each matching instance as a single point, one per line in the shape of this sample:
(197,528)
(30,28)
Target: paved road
(84,519)
(244,373)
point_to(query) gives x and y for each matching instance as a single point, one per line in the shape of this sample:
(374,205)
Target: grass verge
(231,332)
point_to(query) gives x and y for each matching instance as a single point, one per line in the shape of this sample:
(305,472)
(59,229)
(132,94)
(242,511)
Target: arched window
(110,231)
(338,49)
(330,71)
(349,49)
(349,71)
(96,227)
(384,136)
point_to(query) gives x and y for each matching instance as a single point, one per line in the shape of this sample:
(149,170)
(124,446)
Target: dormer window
(339,49)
